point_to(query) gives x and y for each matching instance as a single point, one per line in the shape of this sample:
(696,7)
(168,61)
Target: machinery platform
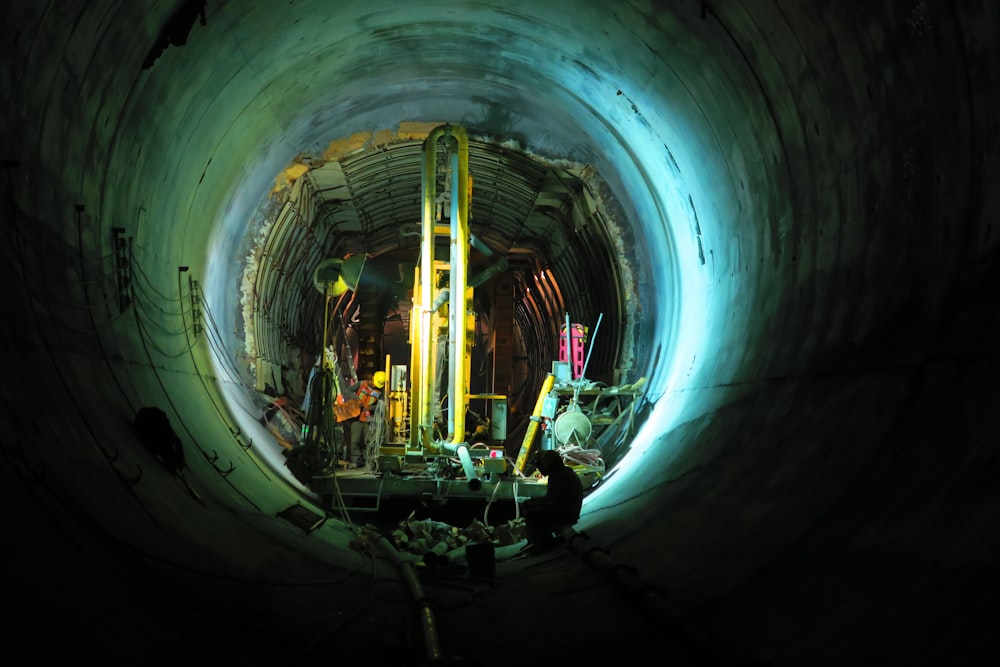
(365,490)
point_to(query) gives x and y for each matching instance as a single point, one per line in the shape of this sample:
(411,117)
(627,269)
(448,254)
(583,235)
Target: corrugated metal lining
(385,190)
(535,215)
(504,189)
(285,301)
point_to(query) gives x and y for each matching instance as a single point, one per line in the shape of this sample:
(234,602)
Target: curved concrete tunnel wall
(813,484)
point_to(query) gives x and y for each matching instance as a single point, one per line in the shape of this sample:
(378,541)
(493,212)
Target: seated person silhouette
(559,507)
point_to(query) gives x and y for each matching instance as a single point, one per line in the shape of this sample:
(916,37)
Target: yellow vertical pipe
(536,415)
(422,419)
(416,350)
(459,299)
(386,390)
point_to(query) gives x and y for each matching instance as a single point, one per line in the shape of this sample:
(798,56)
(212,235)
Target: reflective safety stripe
(367,394)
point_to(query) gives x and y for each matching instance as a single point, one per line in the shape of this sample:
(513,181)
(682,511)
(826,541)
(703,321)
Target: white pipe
(569,347)
(590,349)
(462,450)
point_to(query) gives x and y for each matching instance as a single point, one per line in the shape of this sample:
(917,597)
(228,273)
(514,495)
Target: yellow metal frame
(536,416)
(426,327)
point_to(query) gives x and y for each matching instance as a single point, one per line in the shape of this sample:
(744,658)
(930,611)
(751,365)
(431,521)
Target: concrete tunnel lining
(840,282)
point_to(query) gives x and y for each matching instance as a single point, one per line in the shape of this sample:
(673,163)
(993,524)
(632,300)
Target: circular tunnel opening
(594,154)
(548,244)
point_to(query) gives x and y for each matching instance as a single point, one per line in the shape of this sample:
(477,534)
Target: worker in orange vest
(368,394)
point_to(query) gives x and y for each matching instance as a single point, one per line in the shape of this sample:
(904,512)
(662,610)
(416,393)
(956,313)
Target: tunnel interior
(548,243)
(782,216)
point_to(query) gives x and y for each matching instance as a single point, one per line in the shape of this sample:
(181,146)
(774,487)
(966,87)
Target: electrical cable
(100,343)
(148,340)
(77,329)
(143,337)
(584,458)
(138,303)
(69,304)
(44,279)
(486,512)
(194,362)
(57,368)
(513,465)
(224,353)
(375,435)
(342,504)
(35,287)
(221,353)
(151,301)
(139,271)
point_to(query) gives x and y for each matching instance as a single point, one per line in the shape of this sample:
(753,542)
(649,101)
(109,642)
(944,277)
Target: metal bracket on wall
(123,267)
(195,306)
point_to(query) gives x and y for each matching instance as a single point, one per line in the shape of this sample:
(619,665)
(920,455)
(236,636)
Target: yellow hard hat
(379,379)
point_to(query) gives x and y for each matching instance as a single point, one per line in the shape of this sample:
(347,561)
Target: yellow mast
(458,295)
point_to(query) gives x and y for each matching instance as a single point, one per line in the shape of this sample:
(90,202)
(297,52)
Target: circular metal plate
(573,426)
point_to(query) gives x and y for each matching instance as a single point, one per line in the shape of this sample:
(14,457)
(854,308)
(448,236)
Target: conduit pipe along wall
(810,186)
